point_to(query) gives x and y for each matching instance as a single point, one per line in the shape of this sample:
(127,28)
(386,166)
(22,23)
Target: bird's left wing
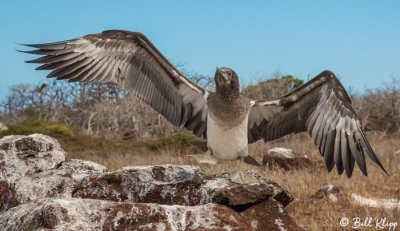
(130,60)
(323,108)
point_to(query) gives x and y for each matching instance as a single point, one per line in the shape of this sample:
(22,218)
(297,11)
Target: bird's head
(227,83)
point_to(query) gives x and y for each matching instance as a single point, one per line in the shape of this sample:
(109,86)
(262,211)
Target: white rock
(25,155)
(3,127)
(376,203)
(88,214)
(56,183)
(285,152)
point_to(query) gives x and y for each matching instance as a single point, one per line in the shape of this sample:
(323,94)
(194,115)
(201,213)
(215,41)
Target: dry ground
(320,215)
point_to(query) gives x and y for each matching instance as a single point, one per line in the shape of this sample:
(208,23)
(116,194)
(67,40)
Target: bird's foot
(206,158)
(242,177)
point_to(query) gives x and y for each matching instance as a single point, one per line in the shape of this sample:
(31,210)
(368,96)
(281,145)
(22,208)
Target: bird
(41,89)
(227,119)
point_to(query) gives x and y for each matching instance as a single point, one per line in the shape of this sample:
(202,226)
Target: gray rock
(40,190)
(32,167)
(179,185)
(286,159)
(55,183)
(330,192)
(88,214)
(26,155)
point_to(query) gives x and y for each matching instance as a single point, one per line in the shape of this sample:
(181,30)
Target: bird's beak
(227,80)
(223,75)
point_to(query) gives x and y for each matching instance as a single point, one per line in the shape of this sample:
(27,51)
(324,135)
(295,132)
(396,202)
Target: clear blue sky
(358,40)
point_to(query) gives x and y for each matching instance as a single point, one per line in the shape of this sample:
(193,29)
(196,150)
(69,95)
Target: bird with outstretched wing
(227,119)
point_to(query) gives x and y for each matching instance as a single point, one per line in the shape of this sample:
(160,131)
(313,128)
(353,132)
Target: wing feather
(329,149)
(130,60)
(323,108)
(346,157)
(317,126)
(336,154)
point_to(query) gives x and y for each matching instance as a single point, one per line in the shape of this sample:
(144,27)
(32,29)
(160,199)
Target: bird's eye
(229,74)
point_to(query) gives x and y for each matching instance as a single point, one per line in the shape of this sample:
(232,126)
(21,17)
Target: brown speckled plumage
(227,105)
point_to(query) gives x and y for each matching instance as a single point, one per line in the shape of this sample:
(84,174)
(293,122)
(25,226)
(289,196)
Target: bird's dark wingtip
(384,170)
(27,52)
(375,159)
(381,166)
(349,174)
(33,52)
(330,164)
(30,45)
(22,44)
(31,61)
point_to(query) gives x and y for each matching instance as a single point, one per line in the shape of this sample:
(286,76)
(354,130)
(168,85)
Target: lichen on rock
(26,155)
(40,189)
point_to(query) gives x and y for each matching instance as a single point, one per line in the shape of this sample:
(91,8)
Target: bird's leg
(206,158)
(241,177)
(237,175)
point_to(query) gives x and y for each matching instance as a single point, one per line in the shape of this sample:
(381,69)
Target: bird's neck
(229,94)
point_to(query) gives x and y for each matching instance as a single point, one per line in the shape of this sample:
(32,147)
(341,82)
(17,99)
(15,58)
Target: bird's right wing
(323,108)
(130,60)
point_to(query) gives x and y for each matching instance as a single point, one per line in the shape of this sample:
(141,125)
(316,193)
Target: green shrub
(180,138)
(31,126)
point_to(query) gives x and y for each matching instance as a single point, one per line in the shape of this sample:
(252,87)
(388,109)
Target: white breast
(227,143)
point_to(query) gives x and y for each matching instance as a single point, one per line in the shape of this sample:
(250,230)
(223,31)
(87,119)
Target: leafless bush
(96,109)
(379,108)
(107,110)
(70,103)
